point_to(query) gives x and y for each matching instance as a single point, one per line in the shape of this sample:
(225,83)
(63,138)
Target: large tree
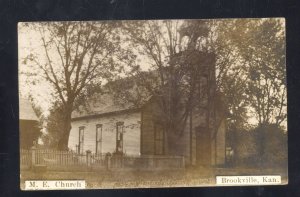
(251,68)
(265,57)
(74,57)
(54,126)
(252,75)
(230,72)
(172,52)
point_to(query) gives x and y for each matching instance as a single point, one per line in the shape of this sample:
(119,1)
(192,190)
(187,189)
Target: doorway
(203,147)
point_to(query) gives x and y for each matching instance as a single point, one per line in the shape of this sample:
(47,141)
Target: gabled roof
(103,104)
(26,111)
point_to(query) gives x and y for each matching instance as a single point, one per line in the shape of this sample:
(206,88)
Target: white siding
(131,137)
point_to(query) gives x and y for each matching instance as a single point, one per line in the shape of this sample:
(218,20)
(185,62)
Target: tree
(271,144)
(230,73)
(261,50)
(267,85)
(251,53)
(255,82)
(250,56)
(172,50)
(54,127)
(75,57)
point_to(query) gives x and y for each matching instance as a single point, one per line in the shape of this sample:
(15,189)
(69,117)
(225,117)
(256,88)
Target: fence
(68,160)
(54,157)
(25,158)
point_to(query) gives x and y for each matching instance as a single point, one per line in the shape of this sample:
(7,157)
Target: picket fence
(55,159)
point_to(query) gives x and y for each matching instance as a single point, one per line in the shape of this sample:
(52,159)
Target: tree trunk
(63,141)
(64,138)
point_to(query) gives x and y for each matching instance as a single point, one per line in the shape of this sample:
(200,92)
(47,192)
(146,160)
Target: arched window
(81,140)
(99,138)
(119,137)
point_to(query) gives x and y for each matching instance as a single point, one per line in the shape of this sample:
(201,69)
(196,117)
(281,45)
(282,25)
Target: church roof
(103,105)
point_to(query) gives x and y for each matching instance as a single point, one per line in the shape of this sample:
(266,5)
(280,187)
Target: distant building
(28,123)
(104,126)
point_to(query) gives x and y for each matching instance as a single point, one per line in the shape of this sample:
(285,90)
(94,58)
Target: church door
(203,147)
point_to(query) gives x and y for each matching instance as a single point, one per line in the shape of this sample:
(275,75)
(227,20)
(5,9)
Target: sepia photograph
(152,103)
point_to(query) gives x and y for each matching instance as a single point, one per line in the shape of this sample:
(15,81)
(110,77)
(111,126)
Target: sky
(28,42)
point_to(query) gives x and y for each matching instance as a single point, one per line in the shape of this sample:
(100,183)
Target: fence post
(88,158)
(108,160)
(33,155)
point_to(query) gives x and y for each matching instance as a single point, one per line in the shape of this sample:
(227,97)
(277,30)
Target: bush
(274,147)
(264,146)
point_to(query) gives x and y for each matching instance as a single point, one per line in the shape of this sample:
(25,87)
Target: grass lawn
(146,179)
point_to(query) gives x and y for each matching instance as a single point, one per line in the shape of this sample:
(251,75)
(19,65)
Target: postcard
(152,103)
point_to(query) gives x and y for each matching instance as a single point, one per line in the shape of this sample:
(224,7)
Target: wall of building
(147,130)
(221,141)
(174,144)
(218,145)
(131,137)
(191,143)
(29,132)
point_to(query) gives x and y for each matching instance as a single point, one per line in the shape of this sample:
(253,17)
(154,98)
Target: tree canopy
(76,58)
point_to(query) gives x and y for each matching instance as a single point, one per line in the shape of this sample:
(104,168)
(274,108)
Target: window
(81,139)
(159,139)
(98,138)
(119,137)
